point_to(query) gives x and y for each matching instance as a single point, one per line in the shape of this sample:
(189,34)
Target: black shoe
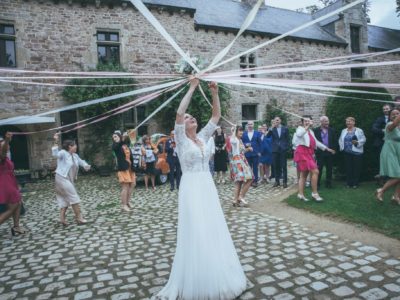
(284,185)
(276,184)
(172,188)
(254,184)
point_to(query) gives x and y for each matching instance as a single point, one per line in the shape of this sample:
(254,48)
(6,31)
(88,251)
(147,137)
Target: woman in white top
(241,171)
(206,265)
(306,143)
(68,163)
(351,142)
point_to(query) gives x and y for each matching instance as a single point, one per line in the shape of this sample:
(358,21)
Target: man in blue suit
(280,147)
(252,139)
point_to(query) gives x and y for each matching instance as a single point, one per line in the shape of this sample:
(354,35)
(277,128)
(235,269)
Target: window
(249,112)
(248,61)
(7,46)
(108,47)
(355,39)
(135,116)
(357,73)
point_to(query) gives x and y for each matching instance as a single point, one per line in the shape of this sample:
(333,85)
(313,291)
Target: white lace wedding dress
(206,265)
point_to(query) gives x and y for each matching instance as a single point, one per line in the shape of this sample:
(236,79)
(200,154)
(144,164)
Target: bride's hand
(213,86)
(194,82)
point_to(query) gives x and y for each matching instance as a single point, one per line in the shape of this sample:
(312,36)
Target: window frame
(354,70)
(355,48)
(4,37)
(255,105)
(108,44)
(244,63)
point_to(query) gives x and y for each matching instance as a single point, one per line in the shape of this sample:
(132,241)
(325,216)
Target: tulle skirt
(206,265)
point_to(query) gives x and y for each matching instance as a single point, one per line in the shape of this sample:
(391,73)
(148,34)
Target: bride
(206,265)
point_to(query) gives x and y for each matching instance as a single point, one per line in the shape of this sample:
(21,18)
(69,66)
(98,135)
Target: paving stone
(83,295)
(264,279)
(374,294)
(343,291)
(392,287)
(269,290)
(318,286)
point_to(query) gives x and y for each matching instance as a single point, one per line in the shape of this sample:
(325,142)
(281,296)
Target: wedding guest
(240,169)
(390,157)
(10,195)
(378,130)
(175,171)
(149,152)
(252,139)
(327,136)
(351,142)
(280,147)
(221,156)
(125,174)
(266,153)
(304,157)
(68,163)
(211,147)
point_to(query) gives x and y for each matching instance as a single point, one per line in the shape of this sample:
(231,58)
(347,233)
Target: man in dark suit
(280,147)
(252,139)
(378,130)
(175,172)
(327,136)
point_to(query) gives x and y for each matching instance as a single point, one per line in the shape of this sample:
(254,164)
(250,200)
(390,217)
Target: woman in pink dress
(9,191)
(305,159)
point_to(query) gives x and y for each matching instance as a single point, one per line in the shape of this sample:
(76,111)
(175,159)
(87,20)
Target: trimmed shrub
(365,112)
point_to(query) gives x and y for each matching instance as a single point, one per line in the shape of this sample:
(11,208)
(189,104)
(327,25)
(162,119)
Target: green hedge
(365,112)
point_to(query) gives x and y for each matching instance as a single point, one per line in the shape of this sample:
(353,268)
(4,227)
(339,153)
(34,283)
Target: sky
(383,12)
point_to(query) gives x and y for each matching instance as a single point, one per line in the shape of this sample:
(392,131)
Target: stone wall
(62,37)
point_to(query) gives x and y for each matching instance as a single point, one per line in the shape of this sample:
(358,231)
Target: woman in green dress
(390,157)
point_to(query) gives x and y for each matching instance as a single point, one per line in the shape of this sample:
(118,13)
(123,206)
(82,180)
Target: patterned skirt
(240,169)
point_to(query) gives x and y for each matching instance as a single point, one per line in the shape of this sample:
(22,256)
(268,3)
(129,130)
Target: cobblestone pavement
(128,256)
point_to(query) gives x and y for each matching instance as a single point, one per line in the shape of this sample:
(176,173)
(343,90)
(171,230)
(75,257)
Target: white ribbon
(95,101)
(308,24)
(302,69)
(247,22)
(293,90)
(157,25)
(160,108)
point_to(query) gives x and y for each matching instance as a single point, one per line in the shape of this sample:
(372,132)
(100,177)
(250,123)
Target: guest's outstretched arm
(180,114)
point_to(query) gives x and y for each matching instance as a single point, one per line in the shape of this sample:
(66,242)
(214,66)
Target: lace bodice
(192,157)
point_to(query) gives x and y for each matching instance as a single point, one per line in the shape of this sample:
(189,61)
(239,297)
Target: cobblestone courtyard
(128,256)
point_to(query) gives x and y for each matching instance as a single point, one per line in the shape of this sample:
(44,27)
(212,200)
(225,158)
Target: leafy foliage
(97,149)
(365,113)
(272,112)
(198,107)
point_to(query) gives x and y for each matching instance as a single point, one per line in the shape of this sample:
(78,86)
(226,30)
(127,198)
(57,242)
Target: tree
(272,111)
(98,148)
(365,112)
(198,107)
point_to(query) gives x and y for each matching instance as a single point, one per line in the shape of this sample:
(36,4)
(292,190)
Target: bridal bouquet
(184,68)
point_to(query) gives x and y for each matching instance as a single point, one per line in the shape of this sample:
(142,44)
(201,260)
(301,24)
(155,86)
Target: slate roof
(273,21)
(383,38)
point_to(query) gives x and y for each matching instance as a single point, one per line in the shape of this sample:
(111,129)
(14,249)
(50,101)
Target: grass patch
(355,205)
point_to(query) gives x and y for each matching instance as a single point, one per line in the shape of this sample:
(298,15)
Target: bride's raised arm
(180,114)
(216,106)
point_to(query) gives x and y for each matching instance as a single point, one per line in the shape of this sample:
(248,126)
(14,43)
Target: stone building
(74,35)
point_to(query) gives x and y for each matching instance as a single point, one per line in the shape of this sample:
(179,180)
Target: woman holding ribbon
(206,265)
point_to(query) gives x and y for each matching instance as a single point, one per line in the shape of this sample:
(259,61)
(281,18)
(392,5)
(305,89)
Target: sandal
(18,230)
(395,200)
(379,195)
(316,197)
(64,224)
(81,222)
